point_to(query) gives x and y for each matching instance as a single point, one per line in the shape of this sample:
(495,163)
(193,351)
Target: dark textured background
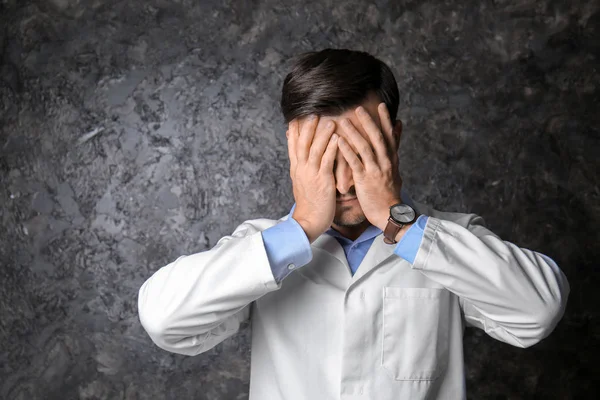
(132,132)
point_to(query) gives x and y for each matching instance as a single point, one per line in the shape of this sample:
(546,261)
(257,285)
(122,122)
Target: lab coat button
(291,266)
(362,295)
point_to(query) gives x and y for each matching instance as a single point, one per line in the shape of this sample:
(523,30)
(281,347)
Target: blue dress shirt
(288,248)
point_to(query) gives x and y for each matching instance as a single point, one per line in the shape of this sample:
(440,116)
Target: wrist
(402,232)
(311,235)
(385,217)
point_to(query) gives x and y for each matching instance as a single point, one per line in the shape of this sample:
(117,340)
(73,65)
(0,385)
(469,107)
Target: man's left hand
(375,169)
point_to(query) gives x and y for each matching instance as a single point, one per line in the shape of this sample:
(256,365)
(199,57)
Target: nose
(343,174)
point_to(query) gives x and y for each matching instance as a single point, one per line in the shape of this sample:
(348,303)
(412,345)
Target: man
(359,292)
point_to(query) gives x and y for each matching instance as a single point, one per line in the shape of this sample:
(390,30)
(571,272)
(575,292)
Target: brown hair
(332,81)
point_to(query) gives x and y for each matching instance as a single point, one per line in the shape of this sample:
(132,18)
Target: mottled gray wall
(132,132)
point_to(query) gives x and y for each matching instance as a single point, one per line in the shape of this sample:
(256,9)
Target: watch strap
(391,230)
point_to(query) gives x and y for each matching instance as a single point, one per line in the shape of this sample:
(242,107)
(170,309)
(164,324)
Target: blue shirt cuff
(408,246)
(287,247)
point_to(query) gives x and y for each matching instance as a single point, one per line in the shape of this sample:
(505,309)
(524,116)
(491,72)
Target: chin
(349,218)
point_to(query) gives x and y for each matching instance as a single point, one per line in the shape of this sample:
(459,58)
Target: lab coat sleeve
(199,300)
(514,294)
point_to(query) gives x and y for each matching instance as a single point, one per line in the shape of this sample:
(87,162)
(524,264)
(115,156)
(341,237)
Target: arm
(514,294)
(199,300)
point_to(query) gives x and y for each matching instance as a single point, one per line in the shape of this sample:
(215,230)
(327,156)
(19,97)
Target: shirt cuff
(408,246)
(287,248)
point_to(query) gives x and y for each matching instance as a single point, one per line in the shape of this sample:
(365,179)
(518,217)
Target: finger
(377,137)
(363,148)
(330,152)
(387,126)
(292,139)
(351,158)
(320,142)
(305,138)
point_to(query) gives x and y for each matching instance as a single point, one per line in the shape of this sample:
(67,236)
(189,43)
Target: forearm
(516,295)
(184,300)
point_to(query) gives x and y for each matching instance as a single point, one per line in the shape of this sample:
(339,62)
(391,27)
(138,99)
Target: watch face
(402,213)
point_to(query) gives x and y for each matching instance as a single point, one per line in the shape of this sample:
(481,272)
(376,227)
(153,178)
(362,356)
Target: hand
(375,174)
(311,169)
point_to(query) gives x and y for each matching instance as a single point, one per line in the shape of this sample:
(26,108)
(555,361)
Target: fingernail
(334,137)
(329,125)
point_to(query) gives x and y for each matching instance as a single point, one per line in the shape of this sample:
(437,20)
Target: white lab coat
(391,331)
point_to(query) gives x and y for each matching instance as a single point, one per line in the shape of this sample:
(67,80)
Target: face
(348,214)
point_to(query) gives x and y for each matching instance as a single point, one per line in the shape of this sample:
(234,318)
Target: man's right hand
(311,168)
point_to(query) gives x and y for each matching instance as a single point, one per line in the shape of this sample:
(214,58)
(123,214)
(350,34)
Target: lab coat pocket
(415,332)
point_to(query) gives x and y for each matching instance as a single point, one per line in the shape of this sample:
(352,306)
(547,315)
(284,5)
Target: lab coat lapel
(340,272)
(330,244)
(329,265)
(377,253)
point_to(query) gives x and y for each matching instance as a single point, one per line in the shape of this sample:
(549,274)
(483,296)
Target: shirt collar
(372,230)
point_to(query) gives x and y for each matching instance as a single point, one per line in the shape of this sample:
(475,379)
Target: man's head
(332,83)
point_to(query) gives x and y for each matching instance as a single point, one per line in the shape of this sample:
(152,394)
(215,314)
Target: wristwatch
(400,214)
